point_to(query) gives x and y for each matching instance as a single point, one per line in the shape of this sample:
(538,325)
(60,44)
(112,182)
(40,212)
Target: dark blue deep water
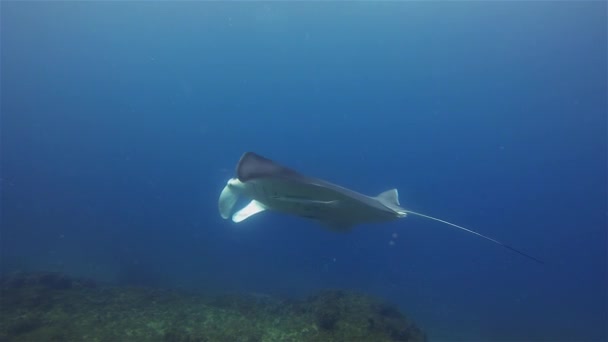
(122,122)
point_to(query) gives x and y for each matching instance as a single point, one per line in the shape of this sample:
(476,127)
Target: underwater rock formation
(55,307)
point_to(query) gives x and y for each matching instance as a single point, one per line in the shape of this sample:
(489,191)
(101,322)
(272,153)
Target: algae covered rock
(352,316)
(55,307)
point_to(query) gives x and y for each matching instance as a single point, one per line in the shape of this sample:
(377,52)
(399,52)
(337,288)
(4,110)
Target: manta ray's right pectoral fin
(250,209)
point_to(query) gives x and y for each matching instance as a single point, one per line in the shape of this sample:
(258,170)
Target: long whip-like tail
(476,233)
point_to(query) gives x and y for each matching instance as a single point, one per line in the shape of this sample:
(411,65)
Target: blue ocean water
(122,121)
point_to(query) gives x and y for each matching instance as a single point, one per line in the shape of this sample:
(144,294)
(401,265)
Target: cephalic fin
(227,200)
(249,210)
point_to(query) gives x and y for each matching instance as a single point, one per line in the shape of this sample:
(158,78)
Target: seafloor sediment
(55,307)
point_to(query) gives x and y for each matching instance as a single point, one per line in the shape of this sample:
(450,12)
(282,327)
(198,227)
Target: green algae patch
(54,307)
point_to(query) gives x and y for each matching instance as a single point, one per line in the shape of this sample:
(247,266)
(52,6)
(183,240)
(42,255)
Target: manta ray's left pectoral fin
(250,209)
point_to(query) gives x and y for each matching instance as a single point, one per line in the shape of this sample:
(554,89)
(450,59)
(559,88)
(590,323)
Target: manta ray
(271,186)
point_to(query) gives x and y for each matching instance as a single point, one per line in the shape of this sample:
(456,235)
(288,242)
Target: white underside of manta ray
(271,186)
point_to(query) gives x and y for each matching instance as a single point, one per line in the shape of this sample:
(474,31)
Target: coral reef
(54,307)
